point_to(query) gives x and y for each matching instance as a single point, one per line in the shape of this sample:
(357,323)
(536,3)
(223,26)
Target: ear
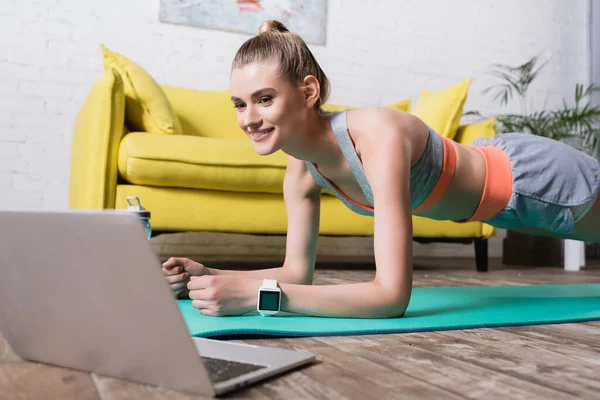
(311,90)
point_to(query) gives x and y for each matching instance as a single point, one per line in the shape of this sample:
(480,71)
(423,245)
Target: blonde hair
(275,43)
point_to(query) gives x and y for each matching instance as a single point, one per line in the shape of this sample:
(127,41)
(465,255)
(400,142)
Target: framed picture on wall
(307,18)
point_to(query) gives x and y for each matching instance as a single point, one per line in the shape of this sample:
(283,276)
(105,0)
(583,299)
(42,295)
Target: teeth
(259,134)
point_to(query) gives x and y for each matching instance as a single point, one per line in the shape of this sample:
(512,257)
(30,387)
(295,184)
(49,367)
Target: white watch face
(269,300)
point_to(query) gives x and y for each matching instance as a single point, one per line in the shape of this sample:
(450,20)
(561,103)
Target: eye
(239,105)
(265,99)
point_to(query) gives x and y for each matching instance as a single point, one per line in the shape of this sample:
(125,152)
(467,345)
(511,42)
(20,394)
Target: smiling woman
(383,163)
(269,82)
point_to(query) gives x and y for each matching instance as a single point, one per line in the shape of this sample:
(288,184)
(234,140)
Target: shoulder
(298,178)
(381,130)
(383,120)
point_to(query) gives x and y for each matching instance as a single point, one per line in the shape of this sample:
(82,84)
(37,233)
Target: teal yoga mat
(430,309)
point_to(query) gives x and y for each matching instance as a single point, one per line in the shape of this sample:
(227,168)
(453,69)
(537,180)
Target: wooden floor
(538,362)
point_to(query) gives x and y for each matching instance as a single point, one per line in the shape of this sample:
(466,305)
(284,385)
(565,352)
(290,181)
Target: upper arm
(387,163)
(302,201)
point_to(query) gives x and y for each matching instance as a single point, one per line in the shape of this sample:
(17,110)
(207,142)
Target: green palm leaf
(577,125)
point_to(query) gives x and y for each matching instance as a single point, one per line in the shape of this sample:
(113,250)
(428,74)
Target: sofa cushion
(147,106)
(442,110)
(465,134)
(205,113)
(97,133)
(402,105)
(200,163)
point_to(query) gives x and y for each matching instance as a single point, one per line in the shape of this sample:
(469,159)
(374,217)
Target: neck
(316,142)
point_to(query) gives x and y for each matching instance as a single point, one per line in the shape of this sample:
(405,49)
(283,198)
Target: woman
(385,160)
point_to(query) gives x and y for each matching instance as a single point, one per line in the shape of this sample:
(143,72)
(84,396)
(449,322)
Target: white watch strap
(270,283)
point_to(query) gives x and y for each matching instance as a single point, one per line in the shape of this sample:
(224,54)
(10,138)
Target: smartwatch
(269,298)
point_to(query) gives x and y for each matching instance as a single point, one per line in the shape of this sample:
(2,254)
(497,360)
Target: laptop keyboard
(220,370)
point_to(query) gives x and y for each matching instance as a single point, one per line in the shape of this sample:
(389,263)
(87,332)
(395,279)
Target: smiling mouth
(261,134)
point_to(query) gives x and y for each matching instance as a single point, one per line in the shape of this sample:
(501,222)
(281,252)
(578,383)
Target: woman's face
(267,105)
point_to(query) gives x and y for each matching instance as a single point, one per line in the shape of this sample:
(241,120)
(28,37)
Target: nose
(251,118)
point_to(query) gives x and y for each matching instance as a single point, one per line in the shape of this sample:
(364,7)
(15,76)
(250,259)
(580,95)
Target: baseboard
(231,247)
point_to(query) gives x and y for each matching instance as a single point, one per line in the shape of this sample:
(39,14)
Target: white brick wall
(375,54)
(49,57)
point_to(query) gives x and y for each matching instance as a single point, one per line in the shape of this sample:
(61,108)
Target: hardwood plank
(460,272)
(293,386)
(572,338)
(519,357)
(117,389)
(467,277)
(403,353)
(595,324)
(27,380)
(367,379)
(357,378)
(582,332)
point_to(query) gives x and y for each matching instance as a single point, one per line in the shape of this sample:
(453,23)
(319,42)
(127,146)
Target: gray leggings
(554,184)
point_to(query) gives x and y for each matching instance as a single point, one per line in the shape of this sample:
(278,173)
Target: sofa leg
(481,255)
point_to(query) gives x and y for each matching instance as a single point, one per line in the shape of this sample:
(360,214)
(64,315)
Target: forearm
(281,274)
(358,300)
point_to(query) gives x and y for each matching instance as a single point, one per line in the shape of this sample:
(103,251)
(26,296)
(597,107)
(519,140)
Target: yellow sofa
(207,177)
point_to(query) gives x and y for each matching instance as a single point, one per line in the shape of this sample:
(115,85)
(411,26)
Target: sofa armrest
(98,131)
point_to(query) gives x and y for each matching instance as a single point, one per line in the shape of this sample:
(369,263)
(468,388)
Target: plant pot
(592,251)
(525,249)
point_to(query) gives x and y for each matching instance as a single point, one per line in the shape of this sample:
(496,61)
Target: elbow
(395,302)
(395,309)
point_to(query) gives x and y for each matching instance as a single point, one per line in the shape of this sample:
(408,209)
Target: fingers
(191,267)
(171,271)
(177,278)
(200,304)
(170,263)
(179,286)
(195,268)
(200,282)
(175,275)
(201,294)
(174,262)
(208,308)
(204,295)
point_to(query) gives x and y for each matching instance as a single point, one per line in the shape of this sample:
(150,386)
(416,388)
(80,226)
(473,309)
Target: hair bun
(272,25)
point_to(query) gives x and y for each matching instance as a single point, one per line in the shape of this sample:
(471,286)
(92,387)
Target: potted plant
(576,124)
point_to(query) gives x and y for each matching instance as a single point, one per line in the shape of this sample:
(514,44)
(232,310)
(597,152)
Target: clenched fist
(178,270)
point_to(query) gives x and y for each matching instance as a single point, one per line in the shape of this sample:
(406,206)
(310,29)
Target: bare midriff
(479,186)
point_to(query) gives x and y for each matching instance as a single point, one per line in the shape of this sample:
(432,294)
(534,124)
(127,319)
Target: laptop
(84,290)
